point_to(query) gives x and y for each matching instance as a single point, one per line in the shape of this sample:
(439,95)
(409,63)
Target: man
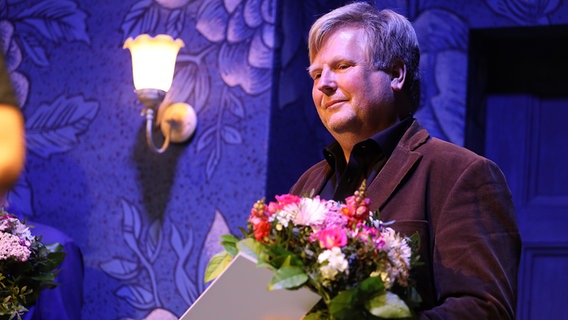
(364,64)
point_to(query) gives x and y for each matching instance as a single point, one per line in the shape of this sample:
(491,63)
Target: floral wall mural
(147,224)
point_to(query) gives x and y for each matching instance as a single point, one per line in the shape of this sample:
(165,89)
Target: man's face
(354,100)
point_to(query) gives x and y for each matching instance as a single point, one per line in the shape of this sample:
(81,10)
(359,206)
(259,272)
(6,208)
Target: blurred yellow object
(12,146)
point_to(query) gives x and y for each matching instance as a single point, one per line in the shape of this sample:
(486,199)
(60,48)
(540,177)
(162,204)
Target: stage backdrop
(147,224)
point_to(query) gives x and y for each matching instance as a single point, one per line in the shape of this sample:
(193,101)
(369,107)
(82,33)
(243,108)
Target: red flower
(262,230)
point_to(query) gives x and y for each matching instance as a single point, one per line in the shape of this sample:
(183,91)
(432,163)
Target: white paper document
(240,293)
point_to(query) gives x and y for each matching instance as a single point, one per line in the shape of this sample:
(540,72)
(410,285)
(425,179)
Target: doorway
(517,116)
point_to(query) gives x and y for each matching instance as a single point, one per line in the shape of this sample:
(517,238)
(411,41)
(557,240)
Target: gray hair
(391,37)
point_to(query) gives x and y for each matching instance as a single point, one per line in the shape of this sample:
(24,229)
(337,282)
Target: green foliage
(216,265)
(22,281)
(388,305)
(229,242)
(288,277)
(353,301)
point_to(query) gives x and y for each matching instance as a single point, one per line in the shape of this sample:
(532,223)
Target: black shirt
(367,159)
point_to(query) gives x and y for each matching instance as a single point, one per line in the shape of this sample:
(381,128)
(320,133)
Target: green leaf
(53,260)
(256,251)
(288,278)
(388,305)
(54,247)
(279,256)
(287,262)
(216,265)
(414,298)
(371,287)
(251,248)
(343,306)
(229,238)
(318,315)
(348,304)
(229,243)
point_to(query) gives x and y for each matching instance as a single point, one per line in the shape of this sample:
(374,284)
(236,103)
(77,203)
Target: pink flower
(367,234)
(273,207)
(332,237)
(281,202)
(334,218)
(356,209)
(287,199)
(258,211)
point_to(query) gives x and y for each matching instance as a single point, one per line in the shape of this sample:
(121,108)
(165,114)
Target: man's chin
(339,123)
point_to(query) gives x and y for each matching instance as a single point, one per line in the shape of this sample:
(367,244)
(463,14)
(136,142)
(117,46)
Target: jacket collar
(404,157)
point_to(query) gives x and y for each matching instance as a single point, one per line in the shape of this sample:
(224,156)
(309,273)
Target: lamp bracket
(151,98)
(178,122)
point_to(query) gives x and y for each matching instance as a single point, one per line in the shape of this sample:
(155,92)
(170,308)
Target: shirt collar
(382,143)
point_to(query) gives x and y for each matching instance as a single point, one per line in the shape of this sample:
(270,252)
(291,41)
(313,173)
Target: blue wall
(147,223)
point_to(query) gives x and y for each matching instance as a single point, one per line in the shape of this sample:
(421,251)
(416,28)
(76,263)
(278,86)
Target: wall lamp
(153,64)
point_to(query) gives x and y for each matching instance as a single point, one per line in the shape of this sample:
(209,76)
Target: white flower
(10,248)
(307,212)
(311,212)
(336,263)
(283,217)
(397,247)
(399,256)
(24,233)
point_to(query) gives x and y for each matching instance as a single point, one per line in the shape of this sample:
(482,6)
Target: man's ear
(398,74)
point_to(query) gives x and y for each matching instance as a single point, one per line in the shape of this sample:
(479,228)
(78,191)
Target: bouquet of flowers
(26,266)
(358,264)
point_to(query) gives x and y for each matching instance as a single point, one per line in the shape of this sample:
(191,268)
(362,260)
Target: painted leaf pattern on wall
(56,127)
(54,21)
(525,12)
(443,41)
(193,72)
(186,285)
(142,17)
(140,294)
(13,59)
(136,295)
(145,294)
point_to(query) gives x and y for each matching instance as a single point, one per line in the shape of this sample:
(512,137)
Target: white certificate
(240,293)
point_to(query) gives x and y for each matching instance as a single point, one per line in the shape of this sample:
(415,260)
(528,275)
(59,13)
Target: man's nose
(326,83)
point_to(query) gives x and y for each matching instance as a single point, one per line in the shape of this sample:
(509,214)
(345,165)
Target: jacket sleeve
(475,247)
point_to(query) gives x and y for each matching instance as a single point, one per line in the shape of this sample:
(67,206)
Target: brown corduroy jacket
(461,206)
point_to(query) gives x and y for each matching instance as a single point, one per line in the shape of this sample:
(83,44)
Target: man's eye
(343,66)
(316,76)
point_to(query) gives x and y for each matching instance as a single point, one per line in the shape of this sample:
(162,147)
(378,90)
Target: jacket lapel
(403,159)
